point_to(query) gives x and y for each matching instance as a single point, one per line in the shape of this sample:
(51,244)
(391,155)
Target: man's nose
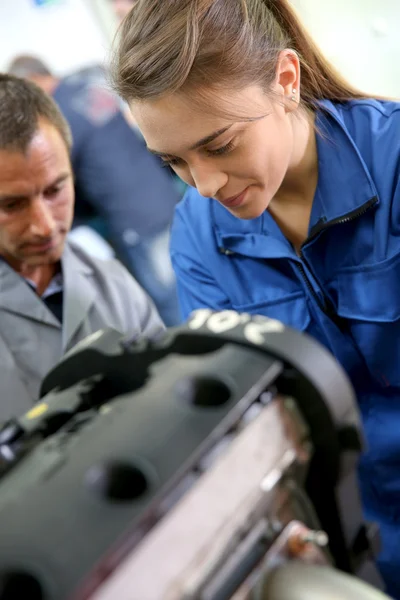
(208,179)
(42,222)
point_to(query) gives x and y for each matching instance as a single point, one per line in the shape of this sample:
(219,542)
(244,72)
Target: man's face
(36,200)
(121,8)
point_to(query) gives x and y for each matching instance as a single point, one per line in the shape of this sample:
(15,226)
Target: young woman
(294,206)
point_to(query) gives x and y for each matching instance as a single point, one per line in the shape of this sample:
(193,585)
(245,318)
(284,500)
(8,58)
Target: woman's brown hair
(169,45)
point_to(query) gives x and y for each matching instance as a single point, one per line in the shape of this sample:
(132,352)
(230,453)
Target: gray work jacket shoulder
(96,294)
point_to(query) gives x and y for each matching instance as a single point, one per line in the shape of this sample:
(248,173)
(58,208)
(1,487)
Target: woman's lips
(235,201)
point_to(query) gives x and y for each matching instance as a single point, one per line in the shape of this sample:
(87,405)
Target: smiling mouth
(234,201)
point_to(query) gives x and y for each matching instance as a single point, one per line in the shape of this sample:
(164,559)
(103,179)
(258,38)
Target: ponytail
(191,44)
(319,78)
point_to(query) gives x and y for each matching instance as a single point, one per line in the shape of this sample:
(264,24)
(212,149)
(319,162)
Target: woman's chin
(249,211)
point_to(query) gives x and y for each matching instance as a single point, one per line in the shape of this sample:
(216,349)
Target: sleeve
(197,288)
(138,312)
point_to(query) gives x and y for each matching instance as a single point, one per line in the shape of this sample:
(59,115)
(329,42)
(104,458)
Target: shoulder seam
(371,104)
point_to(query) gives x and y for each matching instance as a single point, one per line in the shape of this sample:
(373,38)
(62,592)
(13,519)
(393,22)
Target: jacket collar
(344,186)
(17,296)
(79,294)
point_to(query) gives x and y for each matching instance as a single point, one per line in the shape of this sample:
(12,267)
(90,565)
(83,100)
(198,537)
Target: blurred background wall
(359,36)
(66,34)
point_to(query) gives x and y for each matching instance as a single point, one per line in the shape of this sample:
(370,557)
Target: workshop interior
(157,442)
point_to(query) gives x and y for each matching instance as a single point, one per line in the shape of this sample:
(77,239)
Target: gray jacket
(96,294)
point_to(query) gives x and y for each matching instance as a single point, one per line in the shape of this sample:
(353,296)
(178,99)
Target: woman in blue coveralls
(294,205)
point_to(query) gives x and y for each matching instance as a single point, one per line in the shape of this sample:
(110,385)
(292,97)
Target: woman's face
(240,162)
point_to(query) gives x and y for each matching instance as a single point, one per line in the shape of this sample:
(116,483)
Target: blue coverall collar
(345,187)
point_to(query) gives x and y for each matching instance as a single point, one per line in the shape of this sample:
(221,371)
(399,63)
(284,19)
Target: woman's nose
(208,179)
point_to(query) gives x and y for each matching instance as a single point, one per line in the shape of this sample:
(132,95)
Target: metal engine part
(215,463)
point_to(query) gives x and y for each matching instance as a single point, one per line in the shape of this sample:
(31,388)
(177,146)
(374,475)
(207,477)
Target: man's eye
(12,205)
(53,191)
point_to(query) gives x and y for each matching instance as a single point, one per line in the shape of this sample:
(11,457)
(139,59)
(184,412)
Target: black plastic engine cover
(120,425)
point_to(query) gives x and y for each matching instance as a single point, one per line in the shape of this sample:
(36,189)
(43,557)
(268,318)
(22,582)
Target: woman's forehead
(179,120)
(167,124)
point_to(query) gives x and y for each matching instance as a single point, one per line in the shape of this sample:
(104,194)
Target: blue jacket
(344,289)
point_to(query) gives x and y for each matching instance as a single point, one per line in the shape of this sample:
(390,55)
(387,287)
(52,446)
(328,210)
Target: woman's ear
(287,82)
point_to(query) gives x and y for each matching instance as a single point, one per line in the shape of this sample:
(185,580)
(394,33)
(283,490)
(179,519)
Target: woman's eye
(176,162)
(223,150)
(170,162)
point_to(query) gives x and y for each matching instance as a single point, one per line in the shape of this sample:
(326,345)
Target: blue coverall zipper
(325,305)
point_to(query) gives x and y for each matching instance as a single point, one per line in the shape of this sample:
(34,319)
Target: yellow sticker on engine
(37,411)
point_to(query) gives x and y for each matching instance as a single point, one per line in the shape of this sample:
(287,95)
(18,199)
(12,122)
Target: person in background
(121,8)
(293,210)
(121,190)
(52,293)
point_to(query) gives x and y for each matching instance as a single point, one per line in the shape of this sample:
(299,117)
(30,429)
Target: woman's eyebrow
(209,138)
(203,142)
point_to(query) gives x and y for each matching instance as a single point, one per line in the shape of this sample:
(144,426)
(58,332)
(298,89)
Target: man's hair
(26,65)
(22,105)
